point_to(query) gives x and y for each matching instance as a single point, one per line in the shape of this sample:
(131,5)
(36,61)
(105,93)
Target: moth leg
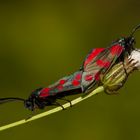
(130,64)
(58,104)
(30,115)
(110,92)
(127,64)
(125,69)
(66,100)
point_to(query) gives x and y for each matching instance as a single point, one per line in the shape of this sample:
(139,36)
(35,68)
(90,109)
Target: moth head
(129,42)
(34,102)
(29,104)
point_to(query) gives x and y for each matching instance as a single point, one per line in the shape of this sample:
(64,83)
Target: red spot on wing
(78,76)
(61,82)
(92,55)
(60,87)
(75,83)
(97,76)
(107,64)
(88,77)
(44,92)
(102,63)
(116,49)
(77,79)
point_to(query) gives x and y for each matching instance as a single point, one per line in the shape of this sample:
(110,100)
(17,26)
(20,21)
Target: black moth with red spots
(99,61)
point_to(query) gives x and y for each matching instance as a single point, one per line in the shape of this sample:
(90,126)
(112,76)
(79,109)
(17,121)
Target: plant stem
(46,113)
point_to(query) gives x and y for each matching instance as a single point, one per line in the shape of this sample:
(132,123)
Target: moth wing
(98,62)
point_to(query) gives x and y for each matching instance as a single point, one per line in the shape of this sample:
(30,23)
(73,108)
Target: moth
(98,62)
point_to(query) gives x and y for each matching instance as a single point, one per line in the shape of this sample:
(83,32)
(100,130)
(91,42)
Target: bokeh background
(43,41)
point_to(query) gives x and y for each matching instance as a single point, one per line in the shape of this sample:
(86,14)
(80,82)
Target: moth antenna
(10,99)
(134,30)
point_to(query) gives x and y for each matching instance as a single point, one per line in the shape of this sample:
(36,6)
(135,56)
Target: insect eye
(28,104)
(132,41)
(121,41)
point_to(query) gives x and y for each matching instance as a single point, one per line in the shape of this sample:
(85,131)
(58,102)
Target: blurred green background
(43,41)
